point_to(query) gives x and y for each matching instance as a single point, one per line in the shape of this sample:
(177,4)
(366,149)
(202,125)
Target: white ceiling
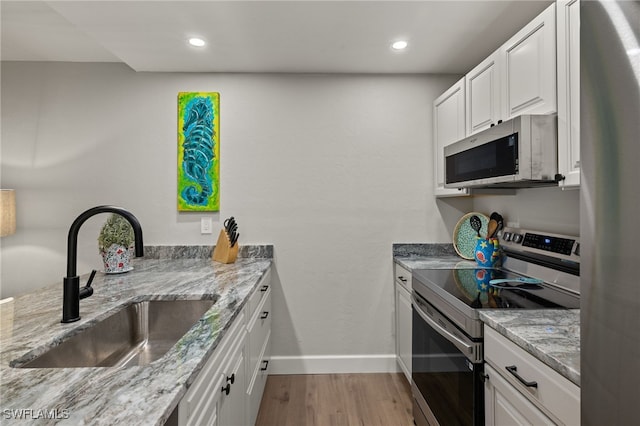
(264,36)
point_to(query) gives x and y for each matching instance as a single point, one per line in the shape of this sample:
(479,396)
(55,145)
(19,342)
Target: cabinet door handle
(264,315)
(264,288)
(232,378)
(266,364)
(226,389)
(514,371)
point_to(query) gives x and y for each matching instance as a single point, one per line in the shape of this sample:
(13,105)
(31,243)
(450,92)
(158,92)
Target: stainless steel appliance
(447,352)
(518,153)
(609,211)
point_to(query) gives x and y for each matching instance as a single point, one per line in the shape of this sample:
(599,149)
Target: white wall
(546,209)
(330,169)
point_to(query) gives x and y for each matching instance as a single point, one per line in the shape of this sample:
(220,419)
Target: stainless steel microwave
(518,153)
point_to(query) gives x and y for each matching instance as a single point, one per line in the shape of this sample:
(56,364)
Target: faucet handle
(87,290)
(91,277)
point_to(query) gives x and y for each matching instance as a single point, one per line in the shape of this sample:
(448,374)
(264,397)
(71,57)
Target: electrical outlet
(206,225)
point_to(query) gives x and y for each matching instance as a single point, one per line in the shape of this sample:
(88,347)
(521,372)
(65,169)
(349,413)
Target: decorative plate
(464,237)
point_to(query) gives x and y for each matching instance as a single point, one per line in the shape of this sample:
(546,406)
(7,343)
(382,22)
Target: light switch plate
(206,225)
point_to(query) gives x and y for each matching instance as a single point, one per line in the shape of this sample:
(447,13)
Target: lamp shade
(7,212)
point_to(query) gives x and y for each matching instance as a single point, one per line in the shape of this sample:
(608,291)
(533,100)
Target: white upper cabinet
(483,85)
(568,13)
(448,127)
(529,59)
(518,78)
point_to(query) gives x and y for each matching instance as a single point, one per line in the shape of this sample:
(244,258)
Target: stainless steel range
(540,271)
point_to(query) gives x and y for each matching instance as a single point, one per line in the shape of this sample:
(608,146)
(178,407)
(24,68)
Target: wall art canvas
(198,151)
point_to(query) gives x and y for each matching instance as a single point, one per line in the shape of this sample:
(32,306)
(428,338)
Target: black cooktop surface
(472,287)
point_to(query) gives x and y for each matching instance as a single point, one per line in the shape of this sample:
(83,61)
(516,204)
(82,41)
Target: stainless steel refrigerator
(610,212)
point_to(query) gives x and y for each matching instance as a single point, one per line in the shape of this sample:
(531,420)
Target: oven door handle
(460,344)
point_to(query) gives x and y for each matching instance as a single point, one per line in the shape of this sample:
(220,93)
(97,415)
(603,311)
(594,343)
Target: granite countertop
(435,262)
(136,395)
(552,336)
(429,256)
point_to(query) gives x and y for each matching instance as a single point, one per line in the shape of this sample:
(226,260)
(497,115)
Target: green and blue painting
(198,151)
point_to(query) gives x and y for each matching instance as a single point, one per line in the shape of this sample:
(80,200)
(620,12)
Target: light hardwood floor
(336,399)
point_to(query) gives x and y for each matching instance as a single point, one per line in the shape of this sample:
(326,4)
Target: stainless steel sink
(137,334)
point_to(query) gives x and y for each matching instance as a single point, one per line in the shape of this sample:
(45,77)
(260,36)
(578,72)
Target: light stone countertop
(551,335)
(132,396)
(436,262)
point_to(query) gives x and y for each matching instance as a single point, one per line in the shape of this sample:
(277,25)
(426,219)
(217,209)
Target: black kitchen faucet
(72,293)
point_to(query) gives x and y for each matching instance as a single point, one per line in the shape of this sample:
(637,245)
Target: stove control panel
(556,245)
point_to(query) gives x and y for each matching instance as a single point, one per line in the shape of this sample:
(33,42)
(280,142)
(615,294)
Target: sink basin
(137,334)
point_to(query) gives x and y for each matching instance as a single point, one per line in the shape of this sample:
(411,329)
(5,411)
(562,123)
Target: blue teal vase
(487,252)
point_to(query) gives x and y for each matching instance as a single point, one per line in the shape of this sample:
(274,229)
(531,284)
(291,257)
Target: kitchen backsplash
(201,252)
(429,249)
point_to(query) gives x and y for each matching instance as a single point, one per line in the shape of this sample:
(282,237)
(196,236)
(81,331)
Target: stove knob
(506,236)
(516,238)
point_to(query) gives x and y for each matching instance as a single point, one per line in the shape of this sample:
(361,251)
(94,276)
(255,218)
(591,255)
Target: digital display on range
(545,242)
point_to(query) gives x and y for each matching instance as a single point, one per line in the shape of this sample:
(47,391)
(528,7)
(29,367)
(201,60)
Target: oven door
(447,370)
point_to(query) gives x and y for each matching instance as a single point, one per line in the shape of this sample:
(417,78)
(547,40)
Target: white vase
(117,259)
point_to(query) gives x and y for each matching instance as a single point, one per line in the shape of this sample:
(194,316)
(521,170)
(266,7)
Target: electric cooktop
(472,287)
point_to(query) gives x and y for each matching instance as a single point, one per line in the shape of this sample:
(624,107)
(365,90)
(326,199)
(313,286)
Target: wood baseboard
(333,364)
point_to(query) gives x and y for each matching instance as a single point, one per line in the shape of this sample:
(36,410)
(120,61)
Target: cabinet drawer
(554,393)
(259,293)
(232,403)
(505,406)
(201,398)
(258,382)
(402,276)
(259,327)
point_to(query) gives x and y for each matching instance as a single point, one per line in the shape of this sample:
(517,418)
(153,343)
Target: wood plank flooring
(336,399)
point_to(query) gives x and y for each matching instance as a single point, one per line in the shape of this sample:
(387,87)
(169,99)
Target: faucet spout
(71,291)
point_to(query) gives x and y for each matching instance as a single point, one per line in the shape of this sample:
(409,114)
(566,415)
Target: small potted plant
(115,244)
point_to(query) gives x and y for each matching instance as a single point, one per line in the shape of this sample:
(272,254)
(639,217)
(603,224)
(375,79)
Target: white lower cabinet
(259,350)
(228,389)
(214,397)
(232,406)
(505,406)
(403,319)
(521,390)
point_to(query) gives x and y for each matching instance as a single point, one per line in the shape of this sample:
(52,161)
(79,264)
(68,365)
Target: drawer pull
(232,378)
(264,315)
(226,389)
(514,371)
(264,288)
(401,278)
(266,364)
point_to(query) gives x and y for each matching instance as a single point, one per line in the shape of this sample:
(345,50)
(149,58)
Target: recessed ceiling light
(399,45)
(197,42)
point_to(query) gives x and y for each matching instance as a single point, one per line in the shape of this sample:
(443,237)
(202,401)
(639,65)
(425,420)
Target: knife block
(223,252)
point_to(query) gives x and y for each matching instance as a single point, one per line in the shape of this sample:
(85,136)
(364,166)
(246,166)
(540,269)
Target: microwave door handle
(460,344)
